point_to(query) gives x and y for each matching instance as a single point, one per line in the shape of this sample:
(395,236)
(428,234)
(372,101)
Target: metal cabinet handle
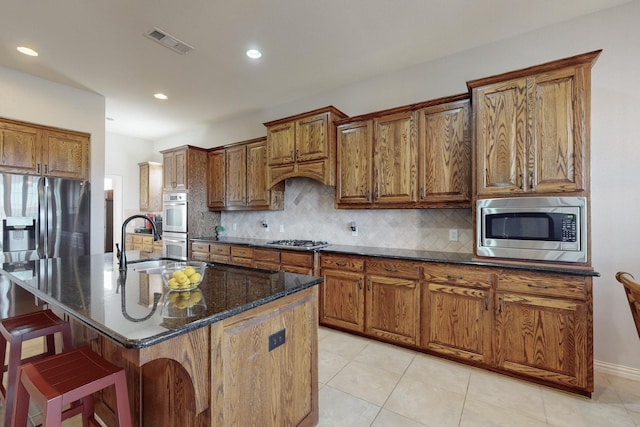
(499,304)
(360,283)
(369,285)
(451,277)
(521,183)
(422,192)
(46,169)
(341,264)
(38,168)
(531,285)
(486,302)
(531,180)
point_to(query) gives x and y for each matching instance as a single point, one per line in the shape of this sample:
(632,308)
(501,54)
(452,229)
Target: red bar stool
(69,378)
(18,329)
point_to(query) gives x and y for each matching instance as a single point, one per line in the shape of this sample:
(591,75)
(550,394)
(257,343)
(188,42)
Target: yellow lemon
(196,297)
(189,271)
(173,283)
(195,278)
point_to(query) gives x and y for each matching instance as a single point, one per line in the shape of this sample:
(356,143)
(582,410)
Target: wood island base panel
(245,353)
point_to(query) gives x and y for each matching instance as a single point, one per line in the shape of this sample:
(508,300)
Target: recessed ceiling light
(254,53)
(27,51)
(160,96)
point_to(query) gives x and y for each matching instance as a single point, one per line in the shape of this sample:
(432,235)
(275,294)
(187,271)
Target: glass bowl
(183,304)
(183,276)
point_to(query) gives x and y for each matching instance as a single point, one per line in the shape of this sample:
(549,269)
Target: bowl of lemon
(183,276)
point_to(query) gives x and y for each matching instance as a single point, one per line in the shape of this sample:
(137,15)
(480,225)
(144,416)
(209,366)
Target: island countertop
(121,306)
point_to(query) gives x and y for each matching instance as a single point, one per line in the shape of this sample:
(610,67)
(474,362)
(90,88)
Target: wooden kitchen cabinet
(216,176)
(414,156)
(531,128)
(342,294)
(377,162)
(393,300)
(238,182)
(175,163)
(39,150)
(299,262)
(302,145)
(457,315)
(444,153)
(543,328)
(150,186)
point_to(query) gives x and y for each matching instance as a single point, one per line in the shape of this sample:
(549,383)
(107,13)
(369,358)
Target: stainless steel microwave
(535,228)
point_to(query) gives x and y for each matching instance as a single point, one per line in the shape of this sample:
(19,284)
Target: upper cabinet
(175,168)
(531,129)
(302,145)
(150,186)
(237,179)
(416,156)
(38,150)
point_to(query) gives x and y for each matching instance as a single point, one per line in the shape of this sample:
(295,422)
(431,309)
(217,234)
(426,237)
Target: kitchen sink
(152,264)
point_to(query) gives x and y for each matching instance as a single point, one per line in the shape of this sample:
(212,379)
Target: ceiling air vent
(167,40)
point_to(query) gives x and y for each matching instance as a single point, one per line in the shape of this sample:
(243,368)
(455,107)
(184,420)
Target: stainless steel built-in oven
(174,212)
(174,245)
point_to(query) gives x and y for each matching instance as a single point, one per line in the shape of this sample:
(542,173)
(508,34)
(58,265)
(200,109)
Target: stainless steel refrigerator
(43,217)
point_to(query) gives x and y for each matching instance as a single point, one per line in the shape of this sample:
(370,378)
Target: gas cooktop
(306,244)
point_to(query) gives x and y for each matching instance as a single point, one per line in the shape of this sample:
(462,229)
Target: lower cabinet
(529,324)
(456,312)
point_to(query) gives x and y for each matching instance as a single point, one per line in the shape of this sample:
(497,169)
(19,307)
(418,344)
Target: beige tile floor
(368,383)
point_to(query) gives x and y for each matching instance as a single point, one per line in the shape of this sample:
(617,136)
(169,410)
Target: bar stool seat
(69,378)
(15,331)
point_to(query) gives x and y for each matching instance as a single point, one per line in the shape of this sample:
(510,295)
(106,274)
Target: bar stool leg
(21,406)
(12,376)
(52,413)
(122,399)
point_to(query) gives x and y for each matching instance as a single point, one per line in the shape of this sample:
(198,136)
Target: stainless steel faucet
(123,253)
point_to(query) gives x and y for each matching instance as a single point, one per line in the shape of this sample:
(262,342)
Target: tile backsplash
(309,213)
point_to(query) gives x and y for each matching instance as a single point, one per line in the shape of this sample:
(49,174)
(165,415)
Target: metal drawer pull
(341,264)
(531,285)
(392,270)
(450,277)
(486,302)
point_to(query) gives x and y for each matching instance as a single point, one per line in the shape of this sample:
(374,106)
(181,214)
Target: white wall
(615,112)
(31,99)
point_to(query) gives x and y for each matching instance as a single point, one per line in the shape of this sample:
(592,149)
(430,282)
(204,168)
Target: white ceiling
(309,47)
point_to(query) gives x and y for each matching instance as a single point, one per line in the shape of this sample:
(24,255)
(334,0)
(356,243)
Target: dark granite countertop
(92,290)
(408,254)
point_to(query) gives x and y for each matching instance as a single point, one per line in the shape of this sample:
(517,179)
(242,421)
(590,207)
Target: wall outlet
(453,235)
(282,228)
(277,339)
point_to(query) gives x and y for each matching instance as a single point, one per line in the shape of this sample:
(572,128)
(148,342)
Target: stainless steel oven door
(174,213)
(174,245)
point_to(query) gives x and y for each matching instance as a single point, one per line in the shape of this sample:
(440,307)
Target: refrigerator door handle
(42,219)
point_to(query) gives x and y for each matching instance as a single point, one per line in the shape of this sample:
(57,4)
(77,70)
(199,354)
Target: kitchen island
(239,350)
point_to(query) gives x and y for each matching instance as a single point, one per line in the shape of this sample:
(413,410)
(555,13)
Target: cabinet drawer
(265,255)
(223,259)
(200,256)
(245,262)
(241,251)
(301,259)
(457,275)
(556,285)
(137,239)
(222,250)
(337,262)
(199,247)
(393,268)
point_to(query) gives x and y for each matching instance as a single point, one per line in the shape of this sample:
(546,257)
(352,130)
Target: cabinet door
(144,186)
(560,100)
(393,309)
(169,170)
(236,176)
(216,184)
(19,149)
(395,159)
(65,155)
(457,321)
(444,141)
(342,300)
(281,143)
(543,338)
(354,163)
(181,166)
(256,180)
(311,138)
(500,137)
